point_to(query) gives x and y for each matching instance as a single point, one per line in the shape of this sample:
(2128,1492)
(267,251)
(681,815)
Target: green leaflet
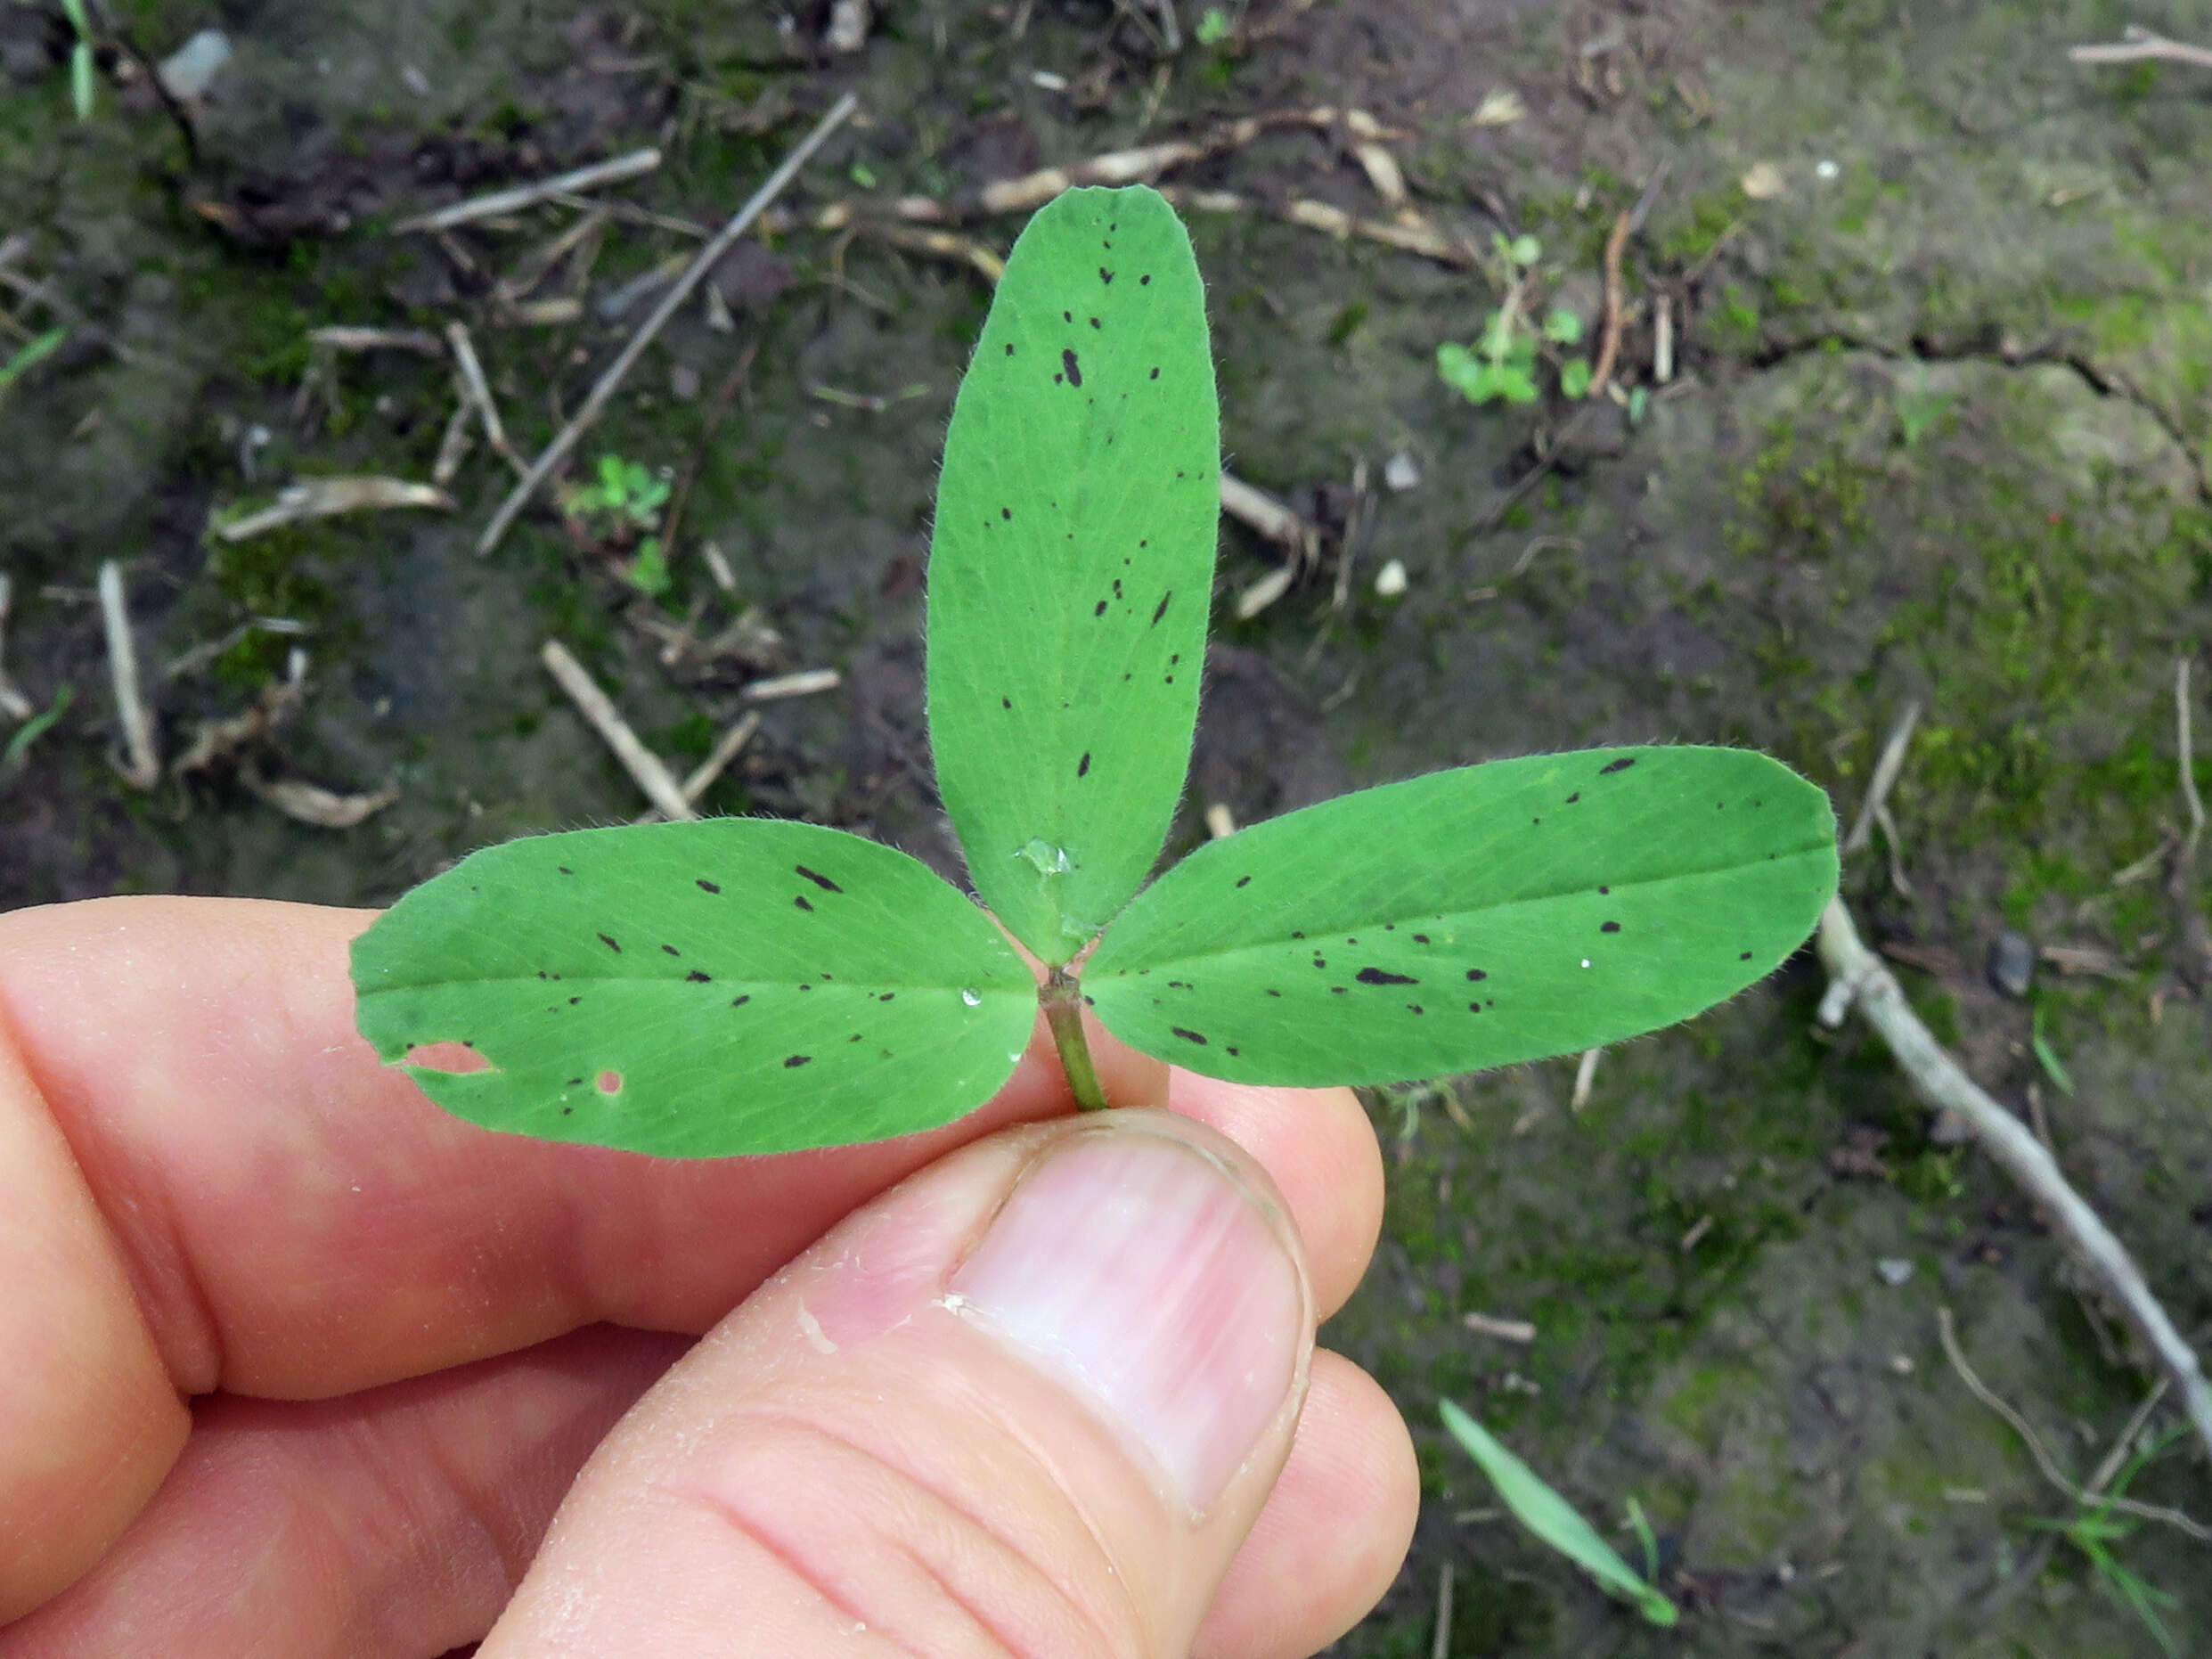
(1072,566)
(751,985)
(1472,918)
(1553,1519)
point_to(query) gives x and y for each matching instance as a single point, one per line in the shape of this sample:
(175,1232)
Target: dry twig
(2195,943)
(2137,44)
(806,683)
(565,440)
(143,768)
(2093,1495)
(502,202)
(703,776)
(1886,770)
(321,498)
(479,391)
(1858,977)
(1616,302)
(13,703)
(651,773)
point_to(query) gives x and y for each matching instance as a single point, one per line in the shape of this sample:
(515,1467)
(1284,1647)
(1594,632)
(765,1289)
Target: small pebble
(188,72)
(1894,1270)
(683,382)
(1390,581)
(2011,964)
(1399,473)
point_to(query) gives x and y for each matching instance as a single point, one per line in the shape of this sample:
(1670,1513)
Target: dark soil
(1937,431)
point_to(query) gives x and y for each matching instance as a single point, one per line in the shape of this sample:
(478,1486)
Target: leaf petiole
(1062,1002)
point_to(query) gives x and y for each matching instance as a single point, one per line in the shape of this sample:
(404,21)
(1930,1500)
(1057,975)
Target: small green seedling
(623,507)
(1503,366)
(750,986)
(2096,1526)
(1557,1523)
(1213,26)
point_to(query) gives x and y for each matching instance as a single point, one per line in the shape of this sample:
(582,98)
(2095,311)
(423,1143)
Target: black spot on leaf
(1611,926)
(1059,380)
(741,1001)
(886,996)
(1094,322)
(792,1062)
(1272,992)
(1383,977)
(1474,1008)
(1144,280)
(1229,1050)
(1745,957)
(1571,799)
(1082,766)
(1243,881)
(1188,1036)
(1420,938)
(698,979)
(1601,891)
(672,949)
(1006,702)
(1160,610)
(1073,369)
(819,880)
(707,887)
(1477,973)
(1414,1007)
(564,869)
(1009,348)
(1155,374)
(574,1001)
(1099,609)
(1336,991)
(1068,317)
(801,902)
(1622,764)
(1006,512)
(607,940)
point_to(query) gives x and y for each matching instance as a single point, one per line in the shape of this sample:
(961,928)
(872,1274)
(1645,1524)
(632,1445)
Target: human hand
(298,1365)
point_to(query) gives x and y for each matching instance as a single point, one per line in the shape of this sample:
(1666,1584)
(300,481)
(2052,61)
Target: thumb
(1028,1403)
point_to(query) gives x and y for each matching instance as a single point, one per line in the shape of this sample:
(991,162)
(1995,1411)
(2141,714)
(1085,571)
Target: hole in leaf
(456,1059)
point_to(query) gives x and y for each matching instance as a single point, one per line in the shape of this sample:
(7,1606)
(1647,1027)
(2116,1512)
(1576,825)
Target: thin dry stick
(806,683)
(1616,302)
(2139,43)
(145,768)
(2195,952)
(703,778)
(499,201)
(1858,977)
(342,337)
(1585,1075)
(1886,770)
(651,773)
(479,391)
(672,302)
(13,703)
(2188,755)
(1440,1644)
(2093,1496)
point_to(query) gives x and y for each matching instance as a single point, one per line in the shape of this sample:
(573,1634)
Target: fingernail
(1141,1271)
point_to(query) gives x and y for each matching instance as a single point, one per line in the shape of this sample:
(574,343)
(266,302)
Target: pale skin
(299,1365)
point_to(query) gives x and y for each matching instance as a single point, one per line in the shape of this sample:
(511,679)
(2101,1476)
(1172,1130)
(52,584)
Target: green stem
(1064,1012)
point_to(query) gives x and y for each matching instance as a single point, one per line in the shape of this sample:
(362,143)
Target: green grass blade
(1472,918)
(37,727)
(1553,1519)
(30,355)
(1072,566)
(755,986)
